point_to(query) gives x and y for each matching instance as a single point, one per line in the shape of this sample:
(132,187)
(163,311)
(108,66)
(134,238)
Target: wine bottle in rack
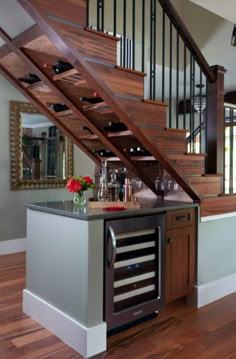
(61,66)
(140,151)
(85,128)
(30,79)
(59,107)
(133,151)
(92,100)
(104,153)
(115,127)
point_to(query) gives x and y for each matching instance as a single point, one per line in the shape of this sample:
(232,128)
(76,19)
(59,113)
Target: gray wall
(216,249)
(12,211)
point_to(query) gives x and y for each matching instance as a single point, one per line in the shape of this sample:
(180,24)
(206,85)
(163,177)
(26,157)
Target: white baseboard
(85,341)
(208,293)
(12,246)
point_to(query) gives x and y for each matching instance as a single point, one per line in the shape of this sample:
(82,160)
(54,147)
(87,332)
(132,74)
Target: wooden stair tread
(94,106)
(109,134)
(39,86)
(159,103)
(65,74)
(176,130)
(63,113)
(188,156)
(143,74)
(103,34)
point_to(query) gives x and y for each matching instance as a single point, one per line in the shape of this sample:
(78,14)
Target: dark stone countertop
(69,209)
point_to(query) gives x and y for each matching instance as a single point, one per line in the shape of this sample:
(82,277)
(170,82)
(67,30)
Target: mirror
(41,156)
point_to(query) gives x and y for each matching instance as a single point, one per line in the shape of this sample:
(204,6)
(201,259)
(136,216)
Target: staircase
(61,34)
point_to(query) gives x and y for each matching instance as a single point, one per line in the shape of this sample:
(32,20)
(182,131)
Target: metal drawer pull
(181,218)
(113,245)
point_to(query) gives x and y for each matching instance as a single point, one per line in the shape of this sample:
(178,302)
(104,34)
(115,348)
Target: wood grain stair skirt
(64,37)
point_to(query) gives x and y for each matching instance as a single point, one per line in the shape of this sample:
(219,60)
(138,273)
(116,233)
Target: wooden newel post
(215,122)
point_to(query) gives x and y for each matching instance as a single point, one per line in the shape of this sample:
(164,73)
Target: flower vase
(80,199)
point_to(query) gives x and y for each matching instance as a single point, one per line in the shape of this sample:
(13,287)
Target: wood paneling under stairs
(180,331)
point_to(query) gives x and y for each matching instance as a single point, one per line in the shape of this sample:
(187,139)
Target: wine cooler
(134,269)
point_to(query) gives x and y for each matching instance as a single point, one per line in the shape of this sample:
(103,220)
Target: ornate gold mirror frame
(17,180)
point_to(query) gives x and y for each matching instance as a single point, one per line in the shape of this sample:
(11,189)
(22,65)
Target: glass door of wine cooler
(134,268)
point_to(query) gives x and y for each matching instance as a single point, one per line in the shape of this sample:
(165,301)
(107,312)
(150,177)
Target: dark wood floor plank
(179,332)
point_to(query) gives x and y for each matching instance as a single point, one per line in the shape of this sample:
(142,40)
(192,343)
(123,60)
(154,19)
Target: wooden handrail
(187,38)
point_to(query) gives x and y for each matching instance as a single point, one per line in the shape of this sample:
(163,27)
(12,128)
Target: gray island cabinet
(65,269)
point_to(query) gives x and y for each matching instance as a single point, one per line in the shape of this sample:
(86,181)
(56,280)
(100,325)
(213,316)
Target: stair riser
(119,82)
(189,164)
(64,9)
(206,186)
(141,113)
(217,205)
(87,43)
(190,168)
(165,140)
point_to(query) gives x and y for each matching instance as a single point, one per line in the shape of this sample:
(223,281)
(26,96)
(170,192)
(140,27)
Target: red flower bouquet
(78,184)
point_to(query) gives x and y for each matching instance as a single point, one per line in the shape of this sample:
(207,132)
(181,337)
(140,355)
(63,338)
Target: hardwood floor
(180,332)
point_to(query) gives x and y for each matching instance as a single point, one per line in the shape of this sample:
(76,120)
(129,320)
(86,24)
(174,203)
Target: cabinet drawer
(180,218)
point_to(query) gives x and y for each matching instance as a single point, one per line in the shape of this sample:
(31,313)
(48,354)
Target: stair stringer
(82,64)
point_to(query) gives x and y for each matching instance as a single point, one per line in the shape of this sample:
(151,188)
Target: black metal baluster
(201,112)
(121,50)
(163,54)
(133,34)
(87,13)
(185,86)
(225,127)
(152,38)
(100,15)
(193,149)
(170,78)
(154,47)
(177,79)
(124,32)
(114,16)
(191,99)
(143,35)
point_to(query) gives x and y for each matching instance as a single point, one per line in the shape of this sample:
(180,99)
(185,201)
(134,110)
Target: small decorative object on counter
(79,185)
(103,186)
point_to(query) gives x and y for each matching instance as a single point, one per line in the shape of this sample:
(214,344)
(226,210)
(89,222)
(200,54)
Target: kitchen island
(65,269)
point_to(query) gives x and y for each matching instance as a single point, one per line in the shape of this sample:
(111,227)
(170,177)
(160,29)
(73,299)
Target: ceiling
(223,8)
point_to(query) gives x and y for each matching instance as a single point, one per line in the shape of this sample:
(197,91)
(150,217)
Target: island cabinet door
(134,269)
(180,257)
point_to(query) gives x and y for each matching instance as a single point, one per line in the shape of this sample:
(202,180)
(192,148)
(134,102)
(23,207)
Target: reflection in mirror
(41,156)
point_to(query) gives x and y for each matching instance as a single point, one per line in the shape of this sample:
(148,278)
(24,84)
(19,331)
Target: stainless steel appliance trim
(113,244)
